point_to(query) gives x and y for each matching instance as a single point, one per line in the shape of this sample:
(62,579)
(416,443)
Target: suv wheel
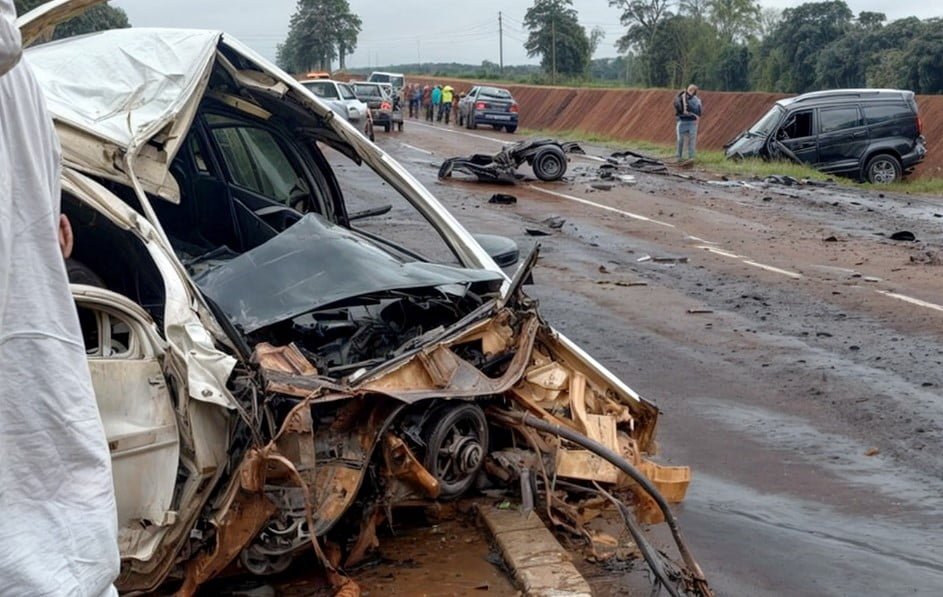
(882,169)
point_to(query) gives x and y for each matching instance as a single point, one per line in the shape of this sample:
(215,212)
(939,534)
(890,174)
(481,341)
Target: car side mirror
(502,249)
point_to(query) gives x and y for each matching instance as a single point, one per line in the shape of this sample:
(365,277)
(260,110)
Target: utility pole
(553,51)
(418,55)
(500,43)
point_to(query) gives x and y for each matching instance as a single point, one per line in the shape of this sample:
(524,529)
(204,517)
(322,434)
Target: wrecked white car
(273,375)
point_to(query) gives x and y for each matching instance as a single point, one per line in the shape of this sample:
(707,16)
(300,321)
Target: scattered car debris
(637,161)
(546,156)
(601,186)
(536,232)
(623,283)
(699,311)
(502,199)
(670,259)
(904,235)
(555,222)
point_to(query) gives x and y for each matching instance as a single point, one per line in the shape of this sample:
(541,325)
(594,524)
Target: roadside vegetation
(721,45)
(714,162)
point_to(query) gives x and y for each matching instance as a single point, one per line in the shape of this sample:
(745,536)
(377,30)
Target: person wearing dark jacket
(687,115)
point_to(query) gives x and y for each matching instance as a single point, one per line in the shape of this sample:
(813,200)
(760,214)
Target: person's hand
(66,239)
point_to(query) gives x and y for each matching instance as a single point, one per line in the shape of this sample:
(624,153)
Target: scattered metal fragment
(502,199)
(904,235)
(536,232)
(555,222)
(700,311)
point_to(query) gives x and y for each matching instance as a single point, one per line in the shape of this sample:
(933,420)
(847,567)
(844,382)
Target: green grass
(715,162)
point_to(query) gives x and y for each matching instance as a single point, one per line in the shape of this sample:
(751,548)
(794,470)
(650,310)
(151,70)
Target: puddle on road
(845,457)
(796,546)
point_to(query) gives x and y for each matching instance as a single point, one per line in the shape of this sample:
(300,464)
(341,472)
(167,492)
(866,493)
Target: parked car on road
(488,105)
(873,135)
(342,94)
(272,374)
(384,107)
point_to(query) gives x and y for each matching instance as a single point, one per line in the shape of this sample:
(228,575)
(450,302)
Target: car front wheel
(510,128)
(883,169)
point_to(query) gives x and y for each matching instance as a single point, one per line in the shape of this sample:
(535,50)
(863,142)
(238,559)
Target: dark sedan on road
(488,105)
(384,108)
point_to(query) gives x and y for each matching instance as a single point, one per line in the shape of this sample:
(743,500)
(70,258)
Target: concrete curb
(540,565)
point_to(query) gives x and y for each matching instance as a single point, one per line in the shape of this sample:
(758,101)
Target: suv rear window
(836,119)
(878,113)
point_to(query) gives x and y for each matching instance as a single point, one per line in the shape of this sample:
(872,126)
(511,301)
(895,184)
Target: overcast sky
(404,31)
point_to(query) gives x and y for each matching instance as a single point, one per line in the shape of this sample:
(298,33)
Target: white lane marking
(700,240)
(627,214)
(775,270)
(449,130)
(419,149)
(911,300)
(750,262)
(720,252)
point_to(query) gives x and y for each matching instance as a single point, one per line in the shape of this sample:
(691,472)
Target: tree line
(736,45)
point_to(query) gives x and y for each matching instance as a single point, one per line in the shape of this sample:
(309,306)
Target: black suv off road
(868,134)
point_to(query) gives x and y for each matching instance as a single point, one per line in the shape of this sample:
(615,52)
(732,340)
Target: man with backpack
(687,115)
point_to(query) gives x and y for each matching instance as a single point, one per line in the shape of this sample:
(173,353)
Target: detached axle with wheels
(546,156)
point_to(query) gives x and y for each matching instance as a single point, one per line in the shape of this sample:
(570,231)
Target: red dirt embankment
(647,114)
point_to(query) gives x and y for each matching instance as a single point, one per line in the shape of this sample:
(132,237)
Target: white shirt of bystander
(58,525)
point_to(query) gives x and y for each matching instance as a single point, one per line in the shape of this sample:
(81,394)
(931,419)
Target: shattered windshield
(316,263)
(764,127)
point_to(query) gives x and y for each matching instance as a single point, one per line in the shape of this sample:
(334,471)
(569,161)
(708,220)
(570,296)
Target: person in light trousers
(687,116)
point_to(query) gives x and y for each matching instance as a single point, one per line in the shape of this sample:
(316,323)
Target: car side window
(879,113)
(798,125)
(106,336)
(836,119)
(325,90)
(258,163)
(346,92)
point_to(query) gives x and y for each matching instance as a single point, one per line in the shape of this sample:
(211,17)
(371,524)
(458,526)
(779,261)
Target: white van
(397,80)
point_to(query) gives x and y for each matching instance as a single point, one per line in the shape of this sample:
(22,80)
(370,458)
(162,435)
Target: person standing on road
(687,115)
(415,100)
(58,528)
(427,102)
(445,108)
(436,101)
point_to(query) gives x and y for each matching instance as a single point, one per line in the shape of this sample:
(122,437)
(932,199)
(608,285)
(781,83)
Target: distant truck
(397,80)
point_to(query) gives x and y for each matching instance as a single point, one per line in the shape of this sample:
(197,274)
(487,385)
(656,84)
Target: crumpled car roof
(119,84)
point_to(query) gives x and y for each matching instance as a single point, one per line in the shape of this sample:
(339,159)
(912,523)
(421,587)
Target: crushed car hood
(314,264)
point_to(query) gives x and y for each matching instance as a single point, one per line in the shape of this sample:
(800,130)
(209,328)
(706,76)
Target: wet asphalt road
(799,377)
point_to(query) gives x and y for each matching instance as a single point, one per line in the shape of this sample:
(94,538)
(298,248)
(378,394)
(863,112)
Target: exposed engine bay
(376,414)
(368,330)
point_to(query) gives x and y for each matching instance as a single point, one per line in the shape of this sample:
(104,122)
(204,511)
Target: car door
(466,102)
(843,138)
(126,361)
(797,135)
